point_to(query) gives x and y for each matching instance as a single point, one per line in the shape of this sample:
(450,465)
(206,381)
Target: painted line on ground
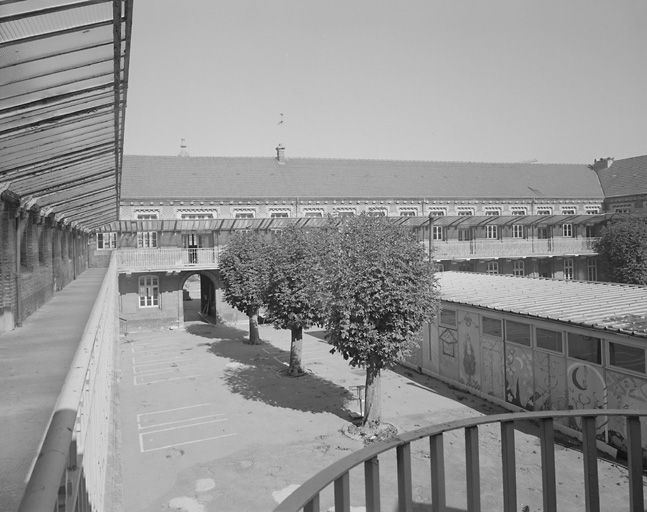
(149,432)
(187,442)
(142,428)
(164,380)
(142,362)
(174,409)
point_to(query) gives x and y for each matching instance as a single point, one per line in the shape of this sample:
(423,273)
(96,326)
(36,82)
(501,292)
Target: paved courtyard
(209,423)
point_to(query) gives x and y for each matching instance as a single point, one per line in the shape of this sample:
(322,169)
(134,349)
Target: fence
(70,472)
(306,497)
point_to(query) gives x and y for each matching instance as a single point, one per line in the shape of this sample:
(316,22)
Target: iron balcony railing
(510,247)
(167,258)
(70,472)
(307,496)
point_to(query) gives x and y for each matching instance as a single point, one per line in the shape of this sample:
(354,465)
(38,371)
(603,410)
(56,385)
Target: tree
(295,296)
(244,266)
(382,290)
(622,249)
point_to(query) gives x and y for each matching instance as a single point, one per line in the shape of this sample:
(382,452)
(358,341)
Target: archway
(199,296)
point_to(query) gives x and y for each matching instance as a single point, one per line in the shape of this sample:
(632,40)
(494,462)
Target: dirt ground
(209,423)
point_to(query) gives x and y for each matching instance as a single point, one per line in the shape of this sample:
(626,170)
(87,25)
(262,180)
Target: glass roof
(63,85)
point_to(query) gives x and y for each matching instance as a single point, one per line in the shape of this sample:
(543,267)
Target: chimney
(602,163)
(280,154)
(183,149)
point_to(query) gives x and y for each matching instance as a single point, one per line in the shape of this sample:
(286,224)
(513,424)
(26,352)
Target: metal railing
(167,258)
(512,248)
(307,496)
(70,472)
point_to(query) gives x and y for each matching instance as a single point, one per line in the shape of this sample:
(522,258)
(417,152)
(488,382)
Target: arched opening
(199,297)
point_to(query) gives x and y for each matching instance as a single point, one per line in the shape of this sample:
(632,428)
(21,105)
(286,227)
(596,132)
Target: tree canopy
(382,290)
(622,249)
(245,267)
(296,291)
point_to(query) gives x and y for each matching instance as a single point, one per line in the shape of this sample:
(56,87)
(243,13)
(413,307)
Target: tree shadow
(258,372)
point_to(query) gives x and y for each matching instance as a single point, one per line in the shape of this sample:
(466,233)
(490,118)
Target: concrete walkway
(210,424)
(34,360)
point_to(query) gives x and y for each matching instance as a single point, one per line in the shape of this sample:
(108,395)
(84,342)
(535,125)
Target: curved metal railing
(71,470)
(306,497)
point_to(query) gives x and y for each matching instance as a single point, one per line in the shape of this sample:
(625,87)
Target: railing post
(472,469)
(405,499)
(437,473)
(547,438)
(508,467)
(312,505)
(372,484)
(635,463)
(589,452)
(342,493)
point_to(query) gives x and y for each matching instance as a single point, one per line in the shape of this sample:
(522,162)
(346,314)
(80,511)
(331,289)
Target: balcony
(506,248)
(166,259)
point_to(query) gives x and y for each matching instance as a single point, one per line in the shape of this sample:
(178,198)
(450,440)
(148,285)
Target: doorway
(199,298)
(192,242)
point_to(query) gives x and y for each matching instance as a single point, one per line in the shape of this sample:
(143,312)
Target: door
(192,243)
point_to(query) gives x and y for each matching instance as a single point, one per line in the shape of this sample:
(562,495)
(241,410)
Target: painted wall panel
(625,392)
(492,367)
(432,362)
(549,381)
(587,390)
(519,385)
(449,353)
(470,352)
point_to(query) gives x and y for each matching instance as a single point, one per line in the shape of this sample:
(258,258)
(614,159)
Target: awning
(63,84)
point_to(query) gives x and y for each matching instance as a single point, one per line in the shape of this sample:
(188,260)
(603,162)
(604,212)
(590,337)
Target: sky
(453,80)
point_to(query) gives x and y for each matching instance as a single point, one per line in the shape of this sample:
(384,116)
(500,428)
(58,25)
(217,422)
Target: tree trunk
(372,398)
(296,350)
(254,338)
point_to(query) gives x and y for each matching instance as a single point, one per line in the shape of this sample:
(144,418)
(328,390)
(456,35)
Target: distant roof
(255,177)
(610,306)
(626,177)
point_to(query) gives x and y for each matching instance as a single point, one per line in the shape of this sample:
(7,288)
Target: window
(492,267)
(517,332)
(543,232)
(492,326)
(492,210)
(464,234)
(586,348)
(196,215)
(567,230)
(592,210)
(146,239)
(437,232)
(408,212)
(377,212)
(591,269)
(518,268)
(518,210)
(549,340)
(437,212)
(464,211)
(569,210)
(312,212)
(279,214)
(544,210)
(448,317)
(148,216)
(626,357)
(491,232)
(589,231)
(622,208)
(106,241)
(344,212)
(247,213)
(149,292)
(568,268)
(518,231)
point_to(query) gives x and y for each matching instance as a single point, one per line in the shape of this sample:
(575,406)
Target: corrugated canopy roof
(612,306)
(63,81)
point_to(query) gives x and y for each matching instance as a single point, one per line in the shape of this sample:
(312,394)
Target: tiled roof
(610,306)
(247,177)
(626,177)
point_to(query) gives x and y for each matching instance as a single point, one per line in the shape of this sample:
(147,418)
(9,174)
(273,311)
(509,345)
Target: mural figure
(587,390)
(519,377)
(469,364)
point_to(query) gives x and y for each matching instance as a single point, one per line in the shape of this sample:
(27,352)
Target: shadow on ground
(257,372)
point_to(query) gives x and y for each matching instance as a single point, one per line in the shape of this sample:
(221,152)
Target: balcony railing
(71,470)
(307,497)
(483,248)
(167,258)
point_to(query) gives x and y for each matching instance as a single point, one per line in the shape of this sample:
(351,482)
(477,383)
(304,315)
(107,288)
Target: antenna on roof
(183,149)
